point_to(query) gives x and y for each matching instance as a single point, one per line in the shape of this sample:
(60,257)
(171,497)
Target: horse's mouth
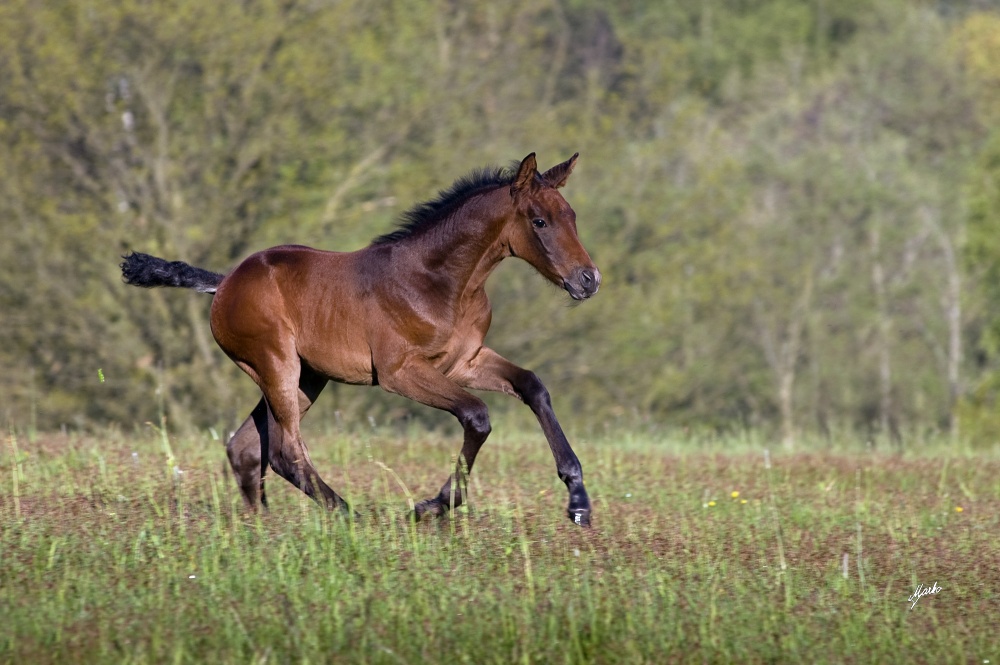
(576,293)
(584,284)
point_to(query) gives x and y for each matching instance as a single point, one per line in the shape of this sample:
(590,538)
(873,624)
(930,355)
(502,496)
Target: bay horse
(408,313)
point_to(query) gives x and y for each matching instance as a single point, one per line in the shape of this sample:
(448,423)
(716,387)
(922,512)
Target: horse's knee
(532,391)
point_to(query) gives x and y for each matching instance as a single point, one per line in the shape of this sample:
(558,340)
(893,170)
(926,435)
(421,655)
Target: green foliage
(792,203)
(977,42)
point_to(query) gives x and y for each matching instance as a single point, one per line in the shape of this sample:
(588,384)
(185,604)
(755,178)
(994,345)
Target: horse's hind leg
(287,454)
(248,451)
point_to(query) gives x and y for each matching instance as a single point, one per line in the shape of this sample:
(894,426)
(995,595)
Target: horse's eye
(538,223)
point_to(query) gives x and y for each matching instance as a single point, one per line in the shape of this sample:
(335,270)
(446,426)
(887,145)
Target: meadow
(133,547)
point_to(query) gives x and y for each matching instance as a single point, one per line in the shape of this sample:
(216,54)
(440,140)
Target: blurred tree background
(795,203)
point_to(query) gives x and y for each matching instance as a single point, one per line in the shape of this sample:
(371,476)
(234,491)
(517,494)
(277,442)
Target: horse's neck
(468,243)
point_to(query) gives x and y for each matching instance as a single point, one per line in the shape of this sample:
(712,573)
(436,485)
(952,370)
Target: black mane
(427,214)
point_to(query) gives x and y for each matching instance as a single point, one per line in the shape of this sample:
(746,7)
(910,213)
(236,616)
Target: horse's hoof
(346,511)
(430,507)
(580,516)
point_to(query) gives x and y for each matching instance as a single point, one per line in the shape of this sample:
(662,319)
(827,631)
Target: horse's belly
(355,373)
(340,356)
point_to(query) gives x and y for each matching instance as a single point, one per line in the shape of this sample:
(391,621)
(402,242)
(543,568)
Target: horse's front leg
(417,379)
(488,370)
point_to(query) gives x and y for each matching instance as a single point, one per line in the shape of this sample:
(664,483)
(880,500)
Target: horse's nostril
(587,279)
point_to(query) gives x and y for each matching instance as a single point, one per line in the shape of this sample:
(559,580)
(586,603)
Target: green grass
(108,555)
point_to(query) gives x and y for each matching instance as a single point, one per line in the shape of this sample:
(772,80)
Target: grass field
(133,548)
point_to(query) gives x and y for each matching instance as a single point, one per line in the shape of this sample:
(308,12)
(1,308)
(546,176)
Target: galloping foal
(408,313)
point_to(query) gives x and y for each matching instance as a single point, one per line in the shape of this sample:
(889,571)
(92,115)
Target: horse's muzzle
(583,283)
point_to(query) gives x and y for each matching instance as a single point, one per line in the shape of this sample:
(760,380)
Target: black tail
(148,271)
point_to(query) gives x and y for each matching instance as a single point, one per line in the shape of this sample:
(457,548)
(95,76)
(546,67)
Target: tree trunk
(783,355)
(952,305)
(883,326)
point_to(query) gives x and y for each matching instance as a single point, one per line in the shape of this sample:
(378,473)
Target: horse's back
(268,281)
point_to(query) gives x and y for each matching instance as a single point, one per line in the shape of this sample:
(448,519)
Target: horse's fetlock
(572,478)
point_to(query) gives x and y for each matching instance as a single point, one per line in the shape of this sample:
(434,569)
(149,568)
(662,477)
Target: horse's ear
(556,176)
(526,174)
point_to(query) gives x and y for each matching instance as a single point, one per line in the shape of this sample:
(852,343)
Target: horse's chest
(459,341)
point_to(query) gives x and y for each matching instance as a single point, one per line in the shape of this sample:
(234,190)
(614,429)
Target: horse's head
(543,230)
